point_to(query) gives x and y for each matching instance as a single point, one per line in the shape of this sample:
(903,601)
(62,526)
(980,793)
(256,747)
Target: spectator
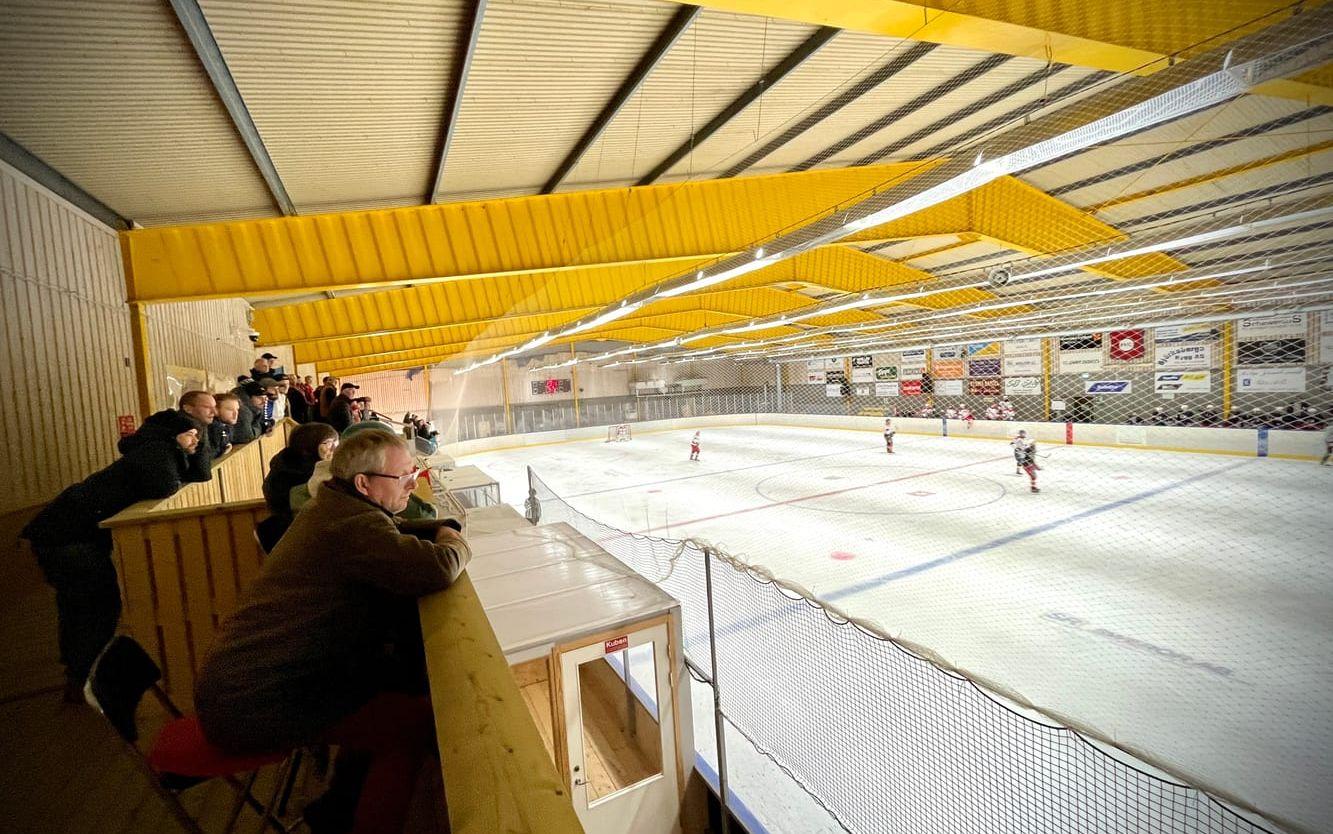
(297,407)
(75,554)
(274,369)
(279,403)
(340,414)
(197,406)
(294,465)
(305,387)
(327,394)
(250,424)
(302,660)
(270,386)
(219,431)
(260,369)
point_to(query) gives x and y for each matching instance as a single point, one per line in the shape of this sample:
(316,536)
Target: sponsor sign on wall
(1285,326)
(1126,345)
(833,390)
(983,349)
(913,363)
(863,362)
(1108,386)
(814,377)
(1022,386)
(1023,347)
(1074,361)
(863,374)
(1183,382)
(1271,352)
(909,387)
(1022,365)
(886,389)
(1083,341)
(886,373)
(1326,347)
(1184,355)
(984,387)
(948,369)
(832,377)
(1271,380)
(824,364)
(949,388)
(983,367)
(1186,333)
(863,390)
(947,353)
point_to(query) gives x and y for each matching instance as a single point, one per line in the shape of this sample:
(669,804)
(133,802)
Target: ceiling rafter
(457,86)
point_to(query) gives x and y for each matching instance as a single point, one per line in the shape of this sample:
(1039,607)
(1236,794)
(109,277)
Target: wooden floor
(62,769)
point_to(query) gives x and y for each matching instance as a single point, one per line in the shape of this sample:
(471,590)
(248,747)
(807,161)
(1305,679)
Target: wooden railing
(237,476)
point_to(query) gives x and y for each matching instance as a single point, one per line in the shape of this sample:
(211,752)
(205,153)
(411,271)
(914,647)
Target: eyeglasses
(403,480)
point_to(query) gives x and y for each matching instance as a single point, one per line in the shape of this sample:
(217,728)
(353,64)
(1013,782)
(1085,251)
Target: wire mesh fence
(883,738)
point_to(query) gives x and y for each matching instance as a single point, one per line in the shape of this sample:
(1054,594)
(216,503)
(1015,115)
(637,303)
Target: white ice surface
(1177,603)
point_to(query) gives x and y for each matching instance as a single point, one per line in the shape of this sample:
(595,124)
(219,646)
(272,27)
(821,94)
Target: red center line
(821,495)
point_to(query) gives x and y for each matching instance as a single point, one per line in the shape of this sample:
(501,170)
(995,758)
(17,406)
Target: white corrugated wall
(66,371)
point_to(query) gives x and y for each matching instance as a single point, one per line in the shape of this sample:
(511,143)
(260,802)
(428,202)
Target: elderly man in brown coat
(303,658)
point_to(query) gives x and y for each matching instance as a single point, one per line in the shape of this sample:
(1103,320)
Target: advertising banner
(886,373)
(1023,347)
(1127,345)
(909,387)
(949,388)
(863,362)
(1271,380)
(948,369)
(863,390)
(838,377)
(1074,361)
(1184,355)
(863,374)
(1108,386)
(984,387)
(1271,352)
(914,359)
(1022,386)
(833,390)
(814,377)
(886,389)
(1083,341)
(1183,382)
(983,349)
(1022,365)
(1326,347)
(983,367)
(947,353)
(1187,333)
(1285,326)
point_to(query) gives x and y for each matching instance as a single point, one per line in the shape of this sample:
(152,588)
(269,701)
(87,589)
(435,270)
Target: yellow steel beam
(142,365)
(1213,176)
(668,227)
(1136,36)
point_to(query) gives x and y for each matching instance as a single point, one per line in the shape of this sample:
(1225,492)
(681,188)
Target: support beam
(797,56)
(26,163)
(142,364)
(206,47)
(675,27)
(457,86)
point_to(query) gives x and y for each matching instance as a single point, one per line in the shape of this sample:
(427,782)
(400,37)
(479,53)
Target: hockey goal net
(617,433)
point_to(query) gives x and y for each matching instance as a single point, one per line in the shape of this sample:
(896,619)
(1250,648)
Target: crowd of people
(324,647)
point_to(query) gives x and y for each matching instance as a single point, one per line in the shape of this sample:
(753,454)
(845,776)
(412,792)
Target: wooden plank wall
(182,572)
(393,394)
(65,330)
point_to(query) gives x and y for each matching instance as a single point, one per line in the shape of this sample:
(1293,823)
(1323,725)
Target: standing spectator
(219,432)
(327,394)
(303,661)
(250,424)
(197,406)
(298,408)
(274,369)
(75,554)
(270,386)
(279,409)
(260,369)
(340,414)
(306,388)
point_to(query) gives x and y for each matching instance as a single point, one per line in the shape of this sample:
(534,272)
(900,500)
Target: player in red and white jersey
(889,431)
(694,447)
(1025,458)
(965,414)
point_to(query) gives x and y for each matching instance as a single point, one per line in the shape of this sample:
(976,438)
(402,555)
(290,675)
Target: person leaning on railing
(250,422)
(75,554)
(302,660)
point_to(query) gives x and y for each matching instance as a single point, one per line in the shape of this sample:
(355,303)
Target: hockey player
(694,447)
(965,414)
(1021,443)
(1328,444)
(1028,462)
(889,431)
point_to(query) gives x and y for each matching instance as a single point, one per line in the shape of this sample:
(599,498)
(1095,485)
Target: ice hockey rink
(1178,603)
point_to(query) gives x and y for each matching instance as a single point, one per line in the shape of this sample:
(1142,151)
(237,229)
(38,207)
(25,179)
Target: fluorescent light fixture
(611,315)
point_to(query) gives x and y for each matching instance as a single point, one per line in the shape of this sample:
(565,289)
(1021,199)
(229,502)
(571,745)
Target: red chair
(180,757)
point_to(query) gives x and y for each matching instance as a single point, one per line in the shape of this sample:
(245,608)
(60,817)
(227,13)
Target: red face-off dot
(842,556)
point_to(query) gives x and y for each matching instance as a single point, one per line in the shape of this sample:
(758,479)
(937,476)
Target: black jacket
(297,408)
(340,413)
(250,423)
(219,437)
(153,468)
(285,471)
(165,425)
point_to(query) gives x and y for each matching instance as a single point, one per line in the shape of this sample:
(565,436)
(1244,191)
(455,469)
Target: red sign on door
(616,645)
(125,424)
(909,387)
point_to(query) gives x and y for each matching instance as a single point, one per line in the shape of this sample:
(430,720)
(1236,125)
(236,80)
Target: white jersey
(889,431)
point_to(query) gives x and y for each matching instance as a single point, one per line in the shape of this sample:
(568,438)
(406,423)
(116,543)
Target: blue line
(760,619)
(975,550)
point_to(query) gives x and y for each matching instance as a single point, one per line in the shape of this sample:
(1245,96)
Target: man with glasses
(303,659)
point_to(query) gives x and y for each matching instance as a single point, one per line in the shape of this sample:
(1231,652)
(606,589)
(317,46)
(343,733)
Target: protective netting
(884,739)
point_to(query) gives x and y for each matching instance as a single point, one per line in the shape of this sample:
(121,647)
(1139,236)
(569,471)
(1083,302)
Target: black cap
(252,389)
(347,385)
(266,382)
(267,356)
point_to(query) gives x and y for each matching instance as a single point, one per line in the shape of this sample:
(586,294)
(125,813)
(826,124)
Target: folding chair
(180,757)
